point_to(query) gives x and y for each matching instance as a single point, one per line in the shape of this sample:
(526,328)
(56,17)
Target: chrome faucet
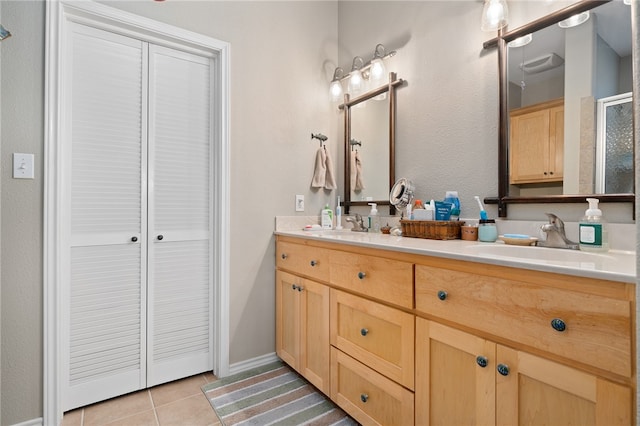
(358,223)
(556,237)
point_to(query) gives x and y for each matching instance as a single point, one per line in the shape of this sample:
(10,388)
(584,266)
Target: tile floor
(179,403)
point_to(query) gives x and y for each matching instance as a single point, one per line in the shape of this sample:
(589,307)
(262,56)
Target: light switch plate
(22,166)
(299,203)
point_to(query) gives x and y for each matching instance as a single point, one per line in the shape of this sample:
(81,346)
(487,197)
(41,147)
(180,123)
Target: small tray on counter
(432,229)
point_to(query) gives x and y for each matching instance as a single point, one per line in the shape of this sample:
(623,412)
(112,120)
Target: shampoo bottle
(374,219)
(593,235)
(338,215)
(326,218)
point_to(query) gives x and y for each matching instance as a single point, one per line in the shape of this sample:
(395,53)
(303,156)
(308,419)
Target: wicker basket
(432,229)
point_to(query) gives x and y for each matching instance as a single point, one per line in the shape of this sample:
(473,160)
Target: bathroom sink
(534,253)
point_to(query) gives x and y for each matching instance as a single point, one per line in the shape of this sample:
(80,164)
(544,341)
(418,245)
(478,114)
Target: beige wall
(282,58)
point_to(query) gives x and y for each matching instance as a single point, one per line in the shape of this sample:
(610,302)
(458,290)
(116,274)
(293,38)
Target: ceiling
(614,27)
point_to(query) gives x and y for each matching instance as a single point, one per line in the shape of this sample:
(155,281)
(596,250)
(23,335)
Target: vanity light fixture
(372,73)
(574,20)
(521,41)
(627,2)
(495,15)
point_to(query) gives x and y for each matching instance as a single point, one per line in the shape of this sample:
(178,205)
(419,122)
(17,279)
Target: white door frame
(59,14)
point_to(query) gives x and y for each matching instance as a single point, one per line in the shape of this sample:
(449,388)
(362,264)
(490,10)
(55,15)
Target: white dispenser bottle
(374,219)
(326,218)
(593,235)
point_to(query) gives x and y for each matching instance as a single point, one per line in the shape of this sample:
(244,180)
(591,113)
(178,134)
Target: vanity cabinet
(536,143)
(521,348)
(398,338)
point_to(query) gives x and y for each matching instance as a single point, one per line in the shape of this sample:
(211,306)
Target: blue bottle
(452,197)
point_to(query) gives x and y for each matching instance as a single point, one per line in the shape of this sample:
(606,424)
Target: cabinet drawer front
(304,260)
(377,335)
(377,277)
(367,396)
(590,329)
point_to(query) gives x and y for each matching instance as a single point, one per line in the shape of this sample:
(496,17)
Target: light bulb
(575,20)
(494,15)
(336,91)
(355,83)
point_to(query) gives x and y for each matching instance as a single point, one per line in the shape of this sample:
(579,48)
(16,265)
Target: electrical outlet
(299,203)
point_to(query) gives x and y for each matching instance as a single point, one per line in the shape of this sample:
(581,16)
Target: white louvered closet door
(105,178)
(180,235)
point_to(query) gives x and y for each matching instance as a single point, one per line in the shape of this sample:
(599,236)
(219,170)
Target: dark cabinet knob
(442,295)
(558,324)
(313,263)
(364,331)
(134,239)
(284,256)
(364,397)
(482,361)
(361,275)
(293,286)
(503,369)
(160,237)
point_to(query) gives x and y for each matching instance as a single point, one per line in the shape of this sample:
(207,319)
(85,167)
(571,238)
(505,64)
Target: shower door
(614,147)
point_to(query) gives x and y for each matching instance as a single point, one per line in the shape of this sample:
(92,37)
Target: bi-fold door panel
(180,313)
(106,298)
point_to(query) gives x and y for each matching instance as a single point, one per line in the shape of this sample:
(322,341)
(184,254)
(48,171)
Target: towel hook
(353,142)
(322,138)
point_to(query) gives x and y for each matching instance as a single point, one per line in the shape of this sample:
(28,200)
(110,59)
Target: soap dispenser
(593,235)
(374,219)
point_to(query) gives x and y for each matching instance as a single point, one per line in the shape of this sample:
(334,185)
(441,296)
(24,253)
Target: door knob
(160,237)
(134,239)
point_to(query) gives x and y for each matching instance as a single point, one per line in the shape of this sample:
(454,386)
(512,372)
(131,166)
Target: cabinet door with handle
(531,390)
(455,376)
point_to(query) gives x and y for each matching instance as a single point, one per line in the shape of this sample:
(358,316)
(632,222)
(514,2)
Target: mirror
(554,142)
(369,146)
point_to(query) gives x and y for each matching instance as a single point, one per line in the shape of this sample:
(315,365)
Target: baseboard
(33,422)
(248,364)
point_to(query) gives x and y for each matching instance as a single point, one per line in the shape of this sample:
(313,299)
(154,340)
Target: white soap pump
(593,235)
(374,219)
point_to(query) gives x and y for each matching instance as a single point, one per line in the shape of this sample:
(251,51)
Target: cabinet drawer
(304,260)
(597,329)
(377,277)
(379,336)
(367,396)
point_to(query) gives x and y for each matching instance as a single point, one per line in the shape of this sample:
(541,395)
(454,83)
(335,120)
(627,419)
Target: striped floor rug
(272,394)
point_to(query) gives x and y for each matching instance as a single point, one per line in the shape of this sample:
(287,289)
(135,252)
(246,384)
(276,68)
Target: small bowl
(385,229)
(518,241)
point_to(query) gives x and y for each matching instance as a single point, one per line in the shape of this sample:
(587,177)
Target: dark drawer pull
(160,237)
(134,239)
(283,256)
(558,324)
(364,397)
(313,263)
(361,275)
(364,331)
(442,295)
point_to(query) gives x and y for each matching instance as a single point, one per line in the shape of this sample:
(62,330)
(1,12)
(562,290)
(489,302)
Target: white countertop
(614,265)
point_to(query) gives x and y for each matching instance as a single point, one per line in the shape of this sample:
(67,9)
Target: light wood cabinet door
(302,327)
(455,377)
(536,143)
(535,391)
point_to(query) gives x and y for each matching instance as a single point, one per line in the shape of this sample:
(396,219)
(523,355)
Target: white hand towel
(330,180)
(320,170)
(359,180)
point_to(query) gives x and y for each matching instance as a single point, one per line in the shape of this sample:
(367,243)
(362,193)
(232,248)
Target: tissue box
(423,214)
